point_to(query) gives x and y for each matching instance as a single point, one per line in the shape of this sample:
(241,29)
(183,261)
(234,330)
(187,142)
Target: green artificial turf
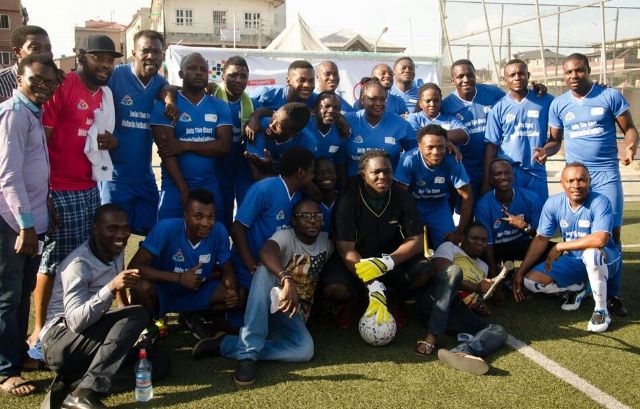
(347,373)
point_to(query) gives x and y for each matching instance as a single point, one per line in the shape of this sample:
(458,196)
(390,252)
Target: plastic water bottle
(144,389)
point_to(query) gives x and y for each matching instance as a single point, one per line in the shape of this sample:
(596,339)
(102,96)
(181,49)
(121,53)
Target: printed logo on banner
(215,69)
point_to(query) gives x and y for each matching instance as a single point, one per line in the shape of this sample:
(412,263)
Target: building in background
(140,21)
(224,23)
(347,40)
(113,30)
(12,15)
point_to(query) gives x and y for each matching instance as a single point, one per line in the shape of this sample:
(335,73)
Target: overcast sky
(412,23)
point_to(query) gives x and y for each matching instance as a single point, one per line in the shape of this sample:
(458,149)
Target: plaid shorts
(75,210)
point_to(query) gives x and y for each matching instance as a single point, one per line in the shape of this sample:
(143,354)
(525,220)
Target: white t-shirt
(449,250)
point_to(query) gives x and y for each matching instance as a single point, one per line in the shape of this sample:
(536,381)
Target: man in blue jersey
(516,129)
(322,125)
(299,88)
(510,215)
(585,117)
(328,79)
(135,87)
(393,103)
(326,178)
(428,173)
(471,103)
(232,170)
(267,208)
(404,72)
(189,145)
(285,129)
(176,262)
(585,219)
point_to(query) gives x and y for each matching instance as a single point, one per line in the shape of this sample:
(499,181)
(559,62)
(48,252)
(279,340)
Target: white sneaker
(599,321)
(463,362)
(573,299)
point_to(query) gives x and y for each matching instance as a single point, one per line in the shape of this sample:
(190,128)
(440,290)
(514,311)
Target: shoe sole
(598,327)
(216,338)
(472,366)
(243,383)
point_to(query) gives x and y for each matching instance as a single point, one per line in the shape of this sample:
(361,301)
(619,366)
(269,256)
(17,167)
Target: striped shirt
(8,82)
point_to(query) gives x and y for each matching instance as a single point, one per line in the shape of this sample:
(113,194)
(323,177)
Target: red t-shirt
(70,113)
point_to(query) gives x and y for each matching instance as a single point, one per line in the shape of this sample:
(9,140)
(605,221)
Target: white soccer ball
(377,334)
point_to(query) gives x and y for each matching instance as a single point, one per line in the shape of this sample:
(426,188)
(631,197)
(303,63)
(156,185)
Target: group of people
(270,202)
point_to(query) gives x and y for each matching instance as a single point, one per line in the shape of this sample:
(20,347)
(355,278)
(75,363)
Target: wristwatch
(528,229)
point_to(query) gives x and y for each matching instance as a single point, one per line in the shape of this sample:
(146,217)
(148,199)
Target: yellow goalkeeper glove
(373,267)
(377,303)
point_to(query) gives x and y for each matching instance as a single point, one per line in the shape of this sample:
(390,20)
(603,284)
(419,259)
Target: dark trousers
(95,355)
(442,310)
(17,281)
(517,251)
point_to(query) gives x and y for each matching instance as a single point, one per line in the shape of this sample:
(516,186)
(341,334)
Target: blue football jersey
(410,97)
(419,120)
(329,145)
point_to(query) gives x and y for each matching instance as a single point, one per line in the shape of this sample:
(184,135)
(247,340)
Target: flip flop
(428,348)
(17,384)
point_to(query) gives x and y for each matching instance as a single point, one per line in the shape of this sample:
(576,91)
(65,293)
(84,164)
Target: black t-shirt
(375,234)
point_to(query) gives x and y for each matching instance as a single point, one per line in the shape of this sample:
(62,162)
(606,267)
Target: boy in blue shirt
(267,208)
(404,72)
(393,102)
(328,80)
(176,262)
(585,219)
(428,173)
(516,128)
(188,145)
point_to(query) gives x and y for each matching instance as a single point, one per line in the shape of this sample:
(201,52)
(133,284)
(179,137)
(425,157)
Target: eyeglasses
(308,216)
(41,82)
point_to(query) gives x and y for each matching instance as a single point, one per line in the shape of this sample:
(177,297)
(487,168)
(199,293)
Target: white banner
(269,68)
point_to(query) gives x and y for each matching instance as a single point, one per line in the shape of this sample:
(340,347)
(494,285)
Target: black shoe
(83,401)
(616,306)
(56,393)
(245,372)
(208,346)
(196,324)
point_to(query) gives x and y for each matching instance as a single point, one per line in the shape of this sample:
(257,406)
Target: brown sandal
(423,348)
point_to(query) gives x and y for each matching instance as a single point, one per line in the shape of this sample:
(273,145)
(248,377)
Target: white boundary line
(630,246)
(566,375)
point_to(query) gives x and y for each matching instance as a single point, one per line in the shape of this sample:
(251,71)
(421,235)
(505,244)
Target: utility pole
(510,56)
(468,51)
(613,55)
(557,51)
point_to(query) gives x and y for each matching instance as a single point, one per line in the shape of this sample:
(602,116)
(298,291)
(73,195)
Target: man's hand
(553,255)
(540,156)
(454,236)
(191,278)
(629,154)
(377,303)
(231,298)
(252,128)
(289,298)
(518,286)
(171,147)
(369,269)
(106,141)
(171,111)
(539,88)
(453,149)
(27,242)
(484,285)
(515,221)
(260,162)
(125,279)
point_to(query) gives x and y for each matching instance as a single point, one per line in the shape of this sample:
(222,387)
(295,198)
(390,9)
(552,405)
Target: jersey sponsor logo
(597,111)
(497,223)
(421,183)
(438,179)
(569,116)
(533,113)
(280,215)
(564,224)
(486,109)
(509,118)
(211,117)
(584,223)
(126,101)
(178,257)
(390,140)
(333,148)
(358,139)
(185,117)
(204,258)
(82,105)
(460,116)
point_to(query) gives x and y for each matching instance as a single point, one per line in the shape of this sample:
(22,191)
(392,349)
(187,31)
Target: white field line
(566,375)
(630,246)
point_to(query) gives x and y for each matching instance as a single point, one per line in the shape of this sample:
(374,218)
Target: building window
(4,21)
(219,20)
(184,17)
(251,20)
(5,58)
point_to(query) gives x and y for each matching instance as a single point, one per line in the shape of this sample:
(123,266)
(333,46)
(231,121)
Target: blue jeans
(265,336)
(17,281)
(442,310)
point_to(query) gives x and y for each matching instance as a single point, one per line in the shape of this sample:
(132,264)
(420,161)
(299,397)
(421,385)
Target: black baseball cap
(98,43)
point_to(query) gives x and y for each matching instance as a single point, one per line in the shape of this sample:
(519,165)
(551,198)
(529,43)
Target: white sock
(598,272)
(536,287)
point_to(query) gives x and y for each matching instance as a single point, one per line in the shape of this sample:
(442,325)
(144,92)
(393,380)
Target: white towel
(104,120)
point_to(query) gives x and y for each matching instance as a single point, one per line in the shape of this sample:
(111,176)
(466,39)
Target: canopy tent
(297,37)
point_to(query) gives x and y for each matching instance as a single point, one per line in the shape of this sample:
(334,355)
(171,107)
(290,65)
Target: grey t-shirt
(80,290)
(303,261)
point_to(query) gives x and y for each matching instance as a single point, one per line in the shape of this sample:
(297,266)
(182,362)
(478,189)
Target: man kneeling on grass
(177,258)
(443,310)
(291,262)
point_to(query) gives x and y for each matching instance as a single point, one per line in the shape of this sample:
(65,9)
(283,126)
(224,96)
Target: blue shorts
(608,183)
(527,180)
(139,200)
(170,207)
(568,270)
(439,221)
(173,297)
